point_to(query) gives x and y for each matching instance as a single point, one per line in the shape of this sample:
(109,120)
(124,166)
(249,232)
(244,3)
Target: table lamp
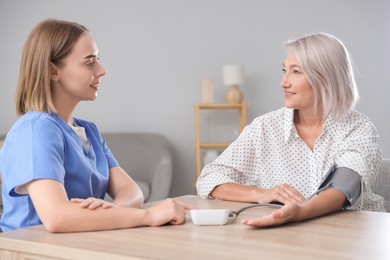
(233,75)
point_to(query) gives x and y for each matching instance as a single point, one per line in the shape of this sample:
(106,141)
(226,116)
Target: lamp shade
(233,74)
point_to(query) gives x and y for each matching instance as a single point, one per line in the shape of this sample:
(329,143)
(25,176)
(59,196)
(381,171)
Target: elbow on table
(139,199)
(52,229)
(53,226)
(57,223)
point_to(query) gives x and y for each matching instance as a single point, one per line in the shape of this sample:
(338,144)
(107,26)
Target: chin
(90,98)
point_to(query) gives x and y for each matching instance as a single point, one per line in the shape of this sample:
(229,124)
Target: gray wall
(156,53)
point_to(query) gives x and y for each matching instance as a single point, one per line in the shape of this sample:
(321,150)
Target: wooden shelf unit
(198,144)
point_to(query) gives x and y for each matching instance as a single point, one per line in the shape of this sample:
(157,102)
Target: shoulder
(362,123)
(354,121)
(270,124)
(34,130)
(36,123)
(353,127)
(356,117)
(275,117)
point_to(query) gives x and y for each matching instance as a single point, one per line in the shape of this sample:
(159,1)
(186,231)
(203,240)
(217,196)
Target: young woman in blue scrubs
(56,169)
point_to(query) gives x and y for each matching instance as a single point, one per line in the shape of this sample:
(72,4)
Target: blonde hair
(49,42)
(328,67)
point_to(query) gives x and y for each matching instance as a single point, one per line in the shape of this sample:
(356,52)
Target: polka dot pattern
(270,152)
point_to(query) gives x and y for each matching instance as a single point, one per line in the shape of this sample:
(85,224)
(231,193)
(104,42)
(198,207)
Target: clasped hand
(93,203)
(168,211)
(283,193)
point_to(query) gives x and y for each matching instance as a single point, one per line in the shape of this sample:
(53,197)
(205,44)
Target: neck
(308,118)
(65,111)
(67,117)
(309,126)
(64,107)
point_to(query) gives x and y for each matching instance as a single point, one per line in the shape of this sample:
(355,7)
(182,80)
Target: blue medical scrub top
(43,146)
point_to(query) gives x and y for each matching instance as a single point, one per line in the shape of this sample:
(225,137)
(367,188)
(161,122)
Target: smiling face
(78,75)
(298,94)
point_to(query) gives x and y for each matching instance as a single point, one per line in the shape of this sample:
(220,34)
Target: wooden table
(343,235)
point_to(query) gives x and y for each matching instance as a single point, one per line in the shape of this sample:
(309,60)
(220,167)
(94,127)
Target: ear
(54,72)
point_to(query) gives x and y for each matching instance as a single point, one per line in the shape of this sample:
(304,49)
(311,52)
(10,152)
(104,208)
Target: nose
(101,71)
(285,83)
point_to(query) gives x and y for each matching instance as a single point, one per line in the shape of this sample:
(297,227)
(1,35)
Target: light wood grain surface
(343,235)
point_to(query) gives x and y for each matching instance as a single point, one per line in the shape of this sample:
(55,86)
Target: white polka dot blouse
(270,152)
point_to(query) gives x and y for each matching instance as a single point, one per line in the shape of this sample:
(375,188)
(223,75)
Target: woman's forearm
(236,192)
(328,201)
(282,193)
(73,218)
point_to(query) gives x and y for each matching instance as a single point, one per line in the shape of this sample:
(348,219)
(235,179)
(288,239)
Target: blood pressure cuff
(346,180)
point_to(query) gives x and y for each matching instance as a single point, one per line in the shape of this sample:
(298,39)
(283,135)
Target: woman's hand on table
(168,211)
(288,213)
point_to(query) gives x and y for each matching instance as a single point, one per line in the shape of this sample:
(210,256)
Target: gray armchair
(147,158)
(381,185)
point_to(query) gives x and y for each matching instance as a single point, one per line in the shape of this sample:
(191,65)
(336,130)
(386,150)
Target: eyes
(293,71)
(92,62)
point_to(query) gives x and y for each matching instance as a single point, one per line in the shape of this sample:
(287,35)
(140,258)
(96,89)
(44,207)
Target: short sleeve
(112,162)
(35,150)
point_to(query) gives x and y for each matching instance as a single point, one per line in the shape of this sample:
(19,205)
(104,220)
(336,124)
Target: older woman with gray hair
(314,156)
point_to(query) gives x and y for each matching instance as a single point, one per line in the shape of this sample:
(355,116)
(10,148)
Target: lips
(287,94)
(95,86)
